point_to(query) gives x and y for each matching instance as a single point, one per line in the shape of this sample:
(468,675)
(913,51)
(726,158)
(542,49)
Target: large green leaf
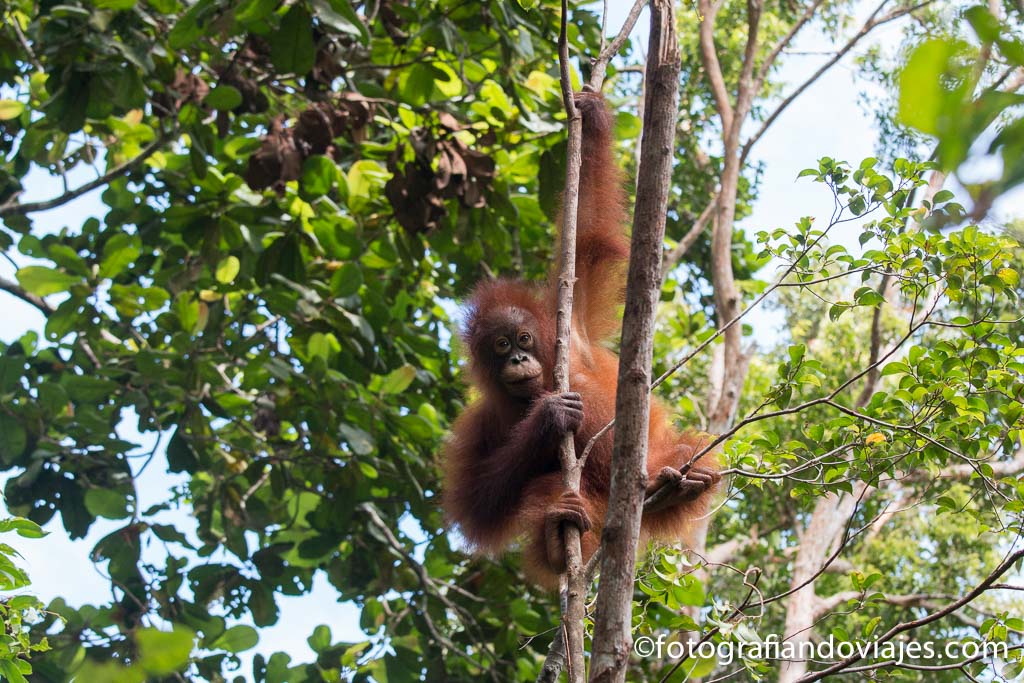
(43,281)
(291,46)
(236,639)
(164,652)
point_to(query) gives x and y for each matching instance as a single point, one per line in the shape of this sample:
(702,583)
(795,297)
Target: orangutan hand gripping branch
(502,476)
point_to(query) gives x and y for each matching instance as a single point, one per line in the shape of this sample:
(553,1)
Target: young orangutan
(502,473)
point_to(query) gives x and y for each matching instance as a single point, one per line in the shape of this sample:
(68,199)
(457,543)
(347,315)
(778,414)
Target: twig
(428,584)
(574,593)
(13,208)
(905,626)
(600,64)
(689,238)
(869,25)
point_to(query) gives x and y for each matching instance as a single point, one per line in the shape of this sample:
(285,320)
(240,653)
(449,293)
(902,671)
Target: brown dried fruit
(417,192)
(276,162)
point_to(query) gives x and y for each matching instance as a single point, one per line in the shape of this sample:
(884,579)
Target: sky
(825,121)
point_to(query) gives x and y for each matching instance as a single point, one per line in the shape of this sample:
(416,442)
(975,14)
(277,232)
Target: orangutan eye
(502,345)
(525,340)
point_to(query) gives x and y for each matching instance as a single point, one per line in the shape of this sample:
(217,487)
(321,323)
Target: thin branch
(600,64)
(903,627)
(428,584)
(16,290)
(709,55)
(872,23)
(673,257)
(574,592)
(784,42)
(13,208)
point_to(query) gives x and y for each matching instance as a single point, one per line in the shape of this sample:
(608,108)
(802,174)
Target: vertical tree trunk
(613,618)
(574,590)
(817,542)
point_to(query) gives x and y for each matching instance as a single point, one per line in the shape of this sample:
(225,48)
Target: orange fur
(499,479)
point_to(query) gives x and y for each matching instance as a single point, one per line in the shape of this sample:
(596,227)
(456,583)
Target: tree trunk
(817,541)
(613,617)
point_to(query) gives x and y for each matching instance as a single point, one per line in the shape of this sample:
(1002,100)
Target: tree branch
(872,23)
(620,535)
(709,56)
(14,289)
(607,52)
(13,208)
(905,626)
(784,42)
(574,593)
(673,257)
(428,584)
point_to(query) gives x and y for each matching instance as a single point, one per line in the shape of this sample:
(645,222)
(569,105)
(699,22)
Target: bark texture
(613,617)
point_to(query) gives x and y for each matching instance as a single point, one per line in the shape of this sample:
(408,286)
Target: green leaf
(321,638)
(43,281)
(180,455)
(10,672)
(318,174)
(187,309)
(25,528)
(347,280)
(88,388)
(796,353)
(119,251)
(14,439)
(924,98)
(162,652)
(398,380)
(858,205)
(291,46)
(363,175)
(227,269)
(836,310)
(109,503)
(10,109)
(360,442)
(116,5)
(418,84)
(224,98)
(983,22)
(323,345)
(236,639)
(867,296)
(417,427)
(108,672)
(339,15)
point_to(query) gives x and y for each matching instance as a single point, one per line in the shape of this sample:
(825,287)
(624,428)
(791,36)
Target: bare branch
(13,208)
(1004,468)
(872,23)
(905,626)
(15,290)
(673,257)
(784,42)
(574,593)
(608,51)
(747,87)
(709,57)
(619,538)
